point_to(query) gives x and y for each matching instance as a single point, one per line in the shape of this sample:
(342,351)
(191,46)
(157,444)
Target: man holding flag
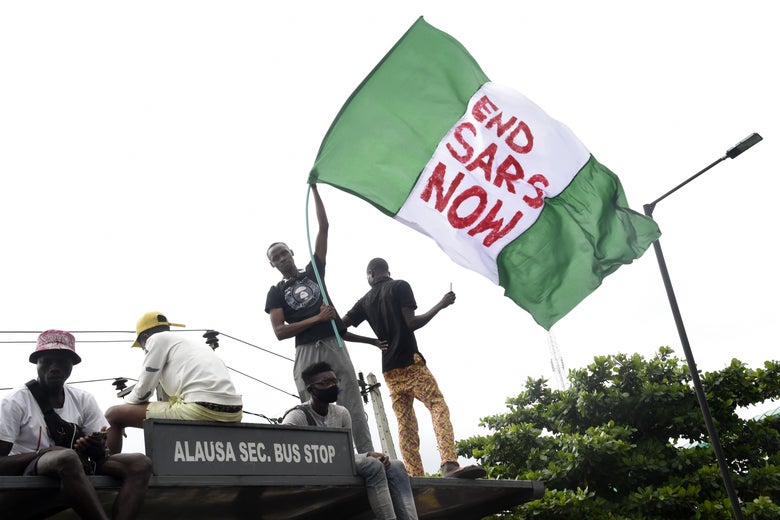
(299,309)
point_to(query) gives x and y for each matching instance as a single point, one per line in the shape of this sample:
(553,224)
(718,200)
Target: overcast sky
(151,151)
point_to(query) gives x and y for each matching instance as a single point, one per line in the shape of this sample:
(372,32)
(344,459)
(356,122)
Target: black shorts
(32,468)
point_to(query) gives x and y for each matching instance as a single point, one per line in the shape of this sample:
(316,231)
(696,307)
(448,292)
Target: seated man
(189,372)
(28,448)
(387,483)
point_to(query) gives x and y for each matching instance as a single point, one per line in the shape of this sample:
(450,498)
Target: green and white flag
(502,187)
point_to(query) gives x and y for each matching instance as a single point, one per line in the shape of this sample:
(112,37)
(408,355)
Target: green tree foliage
(627,440)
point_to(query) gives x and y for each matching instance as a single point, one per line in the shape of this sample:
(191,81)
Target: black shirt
(300,298)
(381,307)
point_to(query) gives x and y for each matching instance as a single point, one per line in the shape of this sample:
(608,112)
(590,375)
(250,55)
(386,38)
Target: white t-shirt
(188,370)
(337,417)
(22,422)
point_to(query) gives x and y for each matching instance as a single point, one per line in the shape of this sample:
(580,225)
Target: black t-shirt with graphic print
(300,298)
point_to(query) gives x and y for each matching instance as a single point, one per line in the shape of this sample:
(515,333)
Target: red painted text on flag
(479,184)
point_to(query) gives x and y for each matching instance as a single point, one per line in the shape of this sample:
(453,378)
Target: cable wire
(255,346)
(133,332)
(104,379)
(263,382)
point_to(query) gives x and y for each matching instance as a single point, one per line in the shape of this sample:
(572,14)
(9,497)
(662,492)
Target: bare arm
(321,242)
(285,330)
(415,322)
(381,344)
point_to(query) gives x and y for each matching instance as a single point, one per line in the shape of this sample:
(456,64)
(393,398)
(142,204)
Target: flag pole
(700,395)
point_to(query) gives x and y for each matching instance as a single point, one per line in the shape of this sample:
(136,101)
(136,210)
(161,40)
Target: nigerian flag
(502,187)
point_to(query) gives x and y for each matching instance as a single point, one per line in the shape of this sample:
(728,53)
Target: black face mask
(329,395)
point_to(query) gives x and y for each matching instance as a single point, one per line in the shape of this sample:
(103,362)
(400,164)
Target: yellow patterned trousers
(417,382)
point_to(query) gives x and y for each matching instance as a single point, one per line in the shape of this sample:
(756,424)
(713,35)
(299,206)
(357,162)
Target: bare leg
(65,465)
(120,417)
(134,469)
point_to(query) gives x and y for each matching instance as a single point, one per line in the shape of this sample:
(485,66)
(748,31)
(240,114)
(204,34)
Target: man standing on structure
(297,309)
(389,307)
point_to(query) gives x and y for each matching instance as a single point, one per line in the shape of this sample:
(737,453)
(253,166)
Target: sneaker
(454,470)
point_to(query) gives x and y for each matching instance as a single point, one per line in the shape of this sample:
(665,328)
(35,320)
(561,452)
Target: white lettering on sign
(319,453)
(252,452)
(222,451)
(203,451)
(287,452)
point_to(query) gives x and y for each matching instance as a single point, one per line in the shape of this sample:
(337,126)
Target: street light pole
(700,395)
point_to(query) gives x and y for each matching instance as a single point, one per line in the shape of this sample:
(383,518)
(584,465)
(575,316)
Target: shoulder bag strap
(309,417)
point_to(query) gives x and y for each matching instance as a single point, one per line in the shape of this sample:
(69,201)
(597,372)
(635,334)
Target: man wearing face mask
(387,483)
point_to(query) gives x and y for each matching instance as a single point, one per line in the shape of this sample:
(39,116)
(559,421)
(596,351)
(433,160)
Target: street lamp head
(743,145)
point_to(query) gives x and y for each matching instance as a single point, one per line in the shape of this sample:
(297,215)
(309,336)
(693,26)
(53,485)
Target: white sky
(150,152)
